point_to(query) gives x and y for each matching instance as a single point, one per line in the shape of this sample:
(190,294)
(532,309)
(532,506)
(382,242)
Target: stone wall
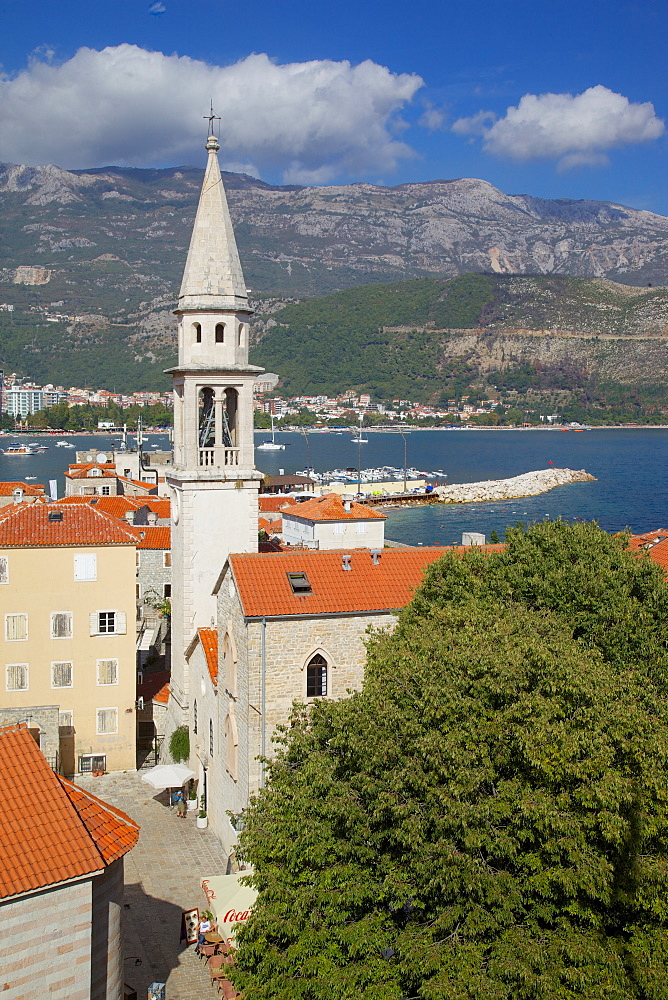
(45,946)
(106,971)
(152,574)
(529,484)
(44,717)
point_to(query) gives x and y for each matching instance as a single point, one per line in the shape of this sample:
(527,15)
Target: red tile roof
(30,489)
(271,527)
(84,471)
(28,526)
(332,507)
(655,543)
(268,503)
(155,687)
(265,590)
(49,834)
(209,639)
(156,536)
(113,831)
(119,506)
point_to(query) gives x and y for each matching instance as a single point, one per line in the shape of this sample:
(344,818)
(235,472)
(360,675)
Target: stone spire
(213,278)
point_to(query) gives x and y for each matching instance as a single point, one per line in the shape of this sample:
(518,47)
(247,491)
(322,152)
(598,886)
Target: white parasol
(230,901)
(168,776)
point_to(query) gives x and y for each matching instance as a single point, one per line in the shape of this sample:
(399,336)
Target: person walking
(181,807)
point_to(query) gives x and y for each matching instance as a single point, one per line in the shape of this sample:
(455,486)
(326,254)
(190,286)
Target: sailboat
(359,439)
(271,445)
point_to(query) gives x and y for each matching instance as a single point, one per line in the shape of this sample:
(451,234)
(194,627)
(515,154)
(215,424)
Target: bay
(631,487)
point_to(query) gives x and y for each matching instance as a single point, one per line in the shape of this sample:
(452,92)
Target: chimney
(347,506)
(152,517)
(375,556)
(130,516)
(18,495)
(345,564)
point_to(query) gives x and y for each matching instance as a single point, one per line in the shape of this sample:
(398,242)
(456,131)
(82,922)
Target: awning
(229,900)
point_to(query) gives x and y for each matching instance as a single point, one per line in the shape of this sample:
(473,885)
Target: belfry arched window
(316,677)
(197,330)
(230,417)
(241,334)
(220,333)
(207,418)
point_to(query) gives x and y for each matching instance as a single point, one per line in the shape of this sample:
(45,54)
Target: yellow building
(67,633)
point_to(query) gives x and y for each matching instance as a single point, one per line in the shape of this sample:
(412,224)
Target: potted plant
(192,795)
(202,821)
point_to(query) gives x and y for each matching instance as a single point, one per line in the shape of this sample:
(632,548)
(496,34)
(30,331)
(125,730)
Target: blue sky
(553,99)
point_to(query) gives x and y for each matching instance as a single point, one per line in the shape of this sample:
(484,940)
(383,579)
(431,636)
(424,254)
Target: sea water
(629,464)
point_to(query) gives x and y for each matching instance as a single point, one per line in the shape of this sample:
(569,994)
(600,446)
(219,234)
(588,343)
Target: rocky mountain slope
(105,248)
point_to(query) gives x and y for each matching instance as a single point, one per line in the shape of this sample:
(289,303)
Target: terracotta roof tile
(271,527)
(119,506)
(265,590)
(654,543)
(155,687)
(30,489)
(268,503)
(209,639)
(156,536)
(28,526)
(44,839)
(113,832)
(332,507)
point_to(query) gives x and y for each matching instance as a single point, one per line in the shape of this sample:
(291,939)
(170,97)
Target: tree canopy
(488,817)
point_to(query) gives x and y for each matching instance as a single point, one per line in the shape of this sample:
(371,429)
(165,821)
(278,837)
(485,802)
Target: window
(338,529)
(85,566)
(61,675)
(299,583)
(16,627)
(316,677)
(361,528)
(138,591)
(107,721)
(167,590)
(138,558)
(211,737)
(108,623)
(166,559)
(95,472)
(92,762)
(105,491)
(4,569)
(17,676)
(61,625)
(220,333)
(195,717)
(107,671)
(231,746)
(198,333)
(230,666)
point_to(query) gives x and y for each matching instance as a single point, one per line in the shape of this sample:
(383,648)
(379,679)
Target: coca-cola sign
(234,916)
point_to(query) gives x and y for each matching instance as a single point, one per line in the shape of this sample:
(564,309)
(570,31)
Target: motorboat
(19,449)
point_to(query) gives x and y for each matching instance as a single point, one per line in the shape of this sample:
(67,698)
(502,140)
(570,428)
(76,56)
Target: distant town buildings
(21,398)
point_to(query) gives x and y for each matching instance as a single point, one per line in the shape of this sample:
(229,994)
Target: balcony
(217,457)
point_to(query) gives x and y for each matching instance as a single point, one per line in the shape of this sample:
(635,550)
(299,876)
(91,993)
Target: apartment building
(67,640)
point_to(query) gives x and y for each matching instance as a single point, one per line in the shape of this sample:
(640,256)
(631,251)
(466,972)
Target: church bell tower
(214,484)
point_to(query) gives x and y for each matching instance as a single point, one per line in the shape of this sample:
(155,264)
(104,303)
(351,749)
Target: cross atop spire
(211,118)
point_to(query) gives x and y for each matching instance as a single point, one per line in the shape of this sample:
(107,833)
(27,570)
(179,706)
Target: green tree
(488,817)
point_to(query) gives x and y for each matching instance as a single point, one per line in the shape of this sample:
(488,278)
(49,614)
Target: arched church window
(207,418)
(220,333)
(230,417)
(230,666)
(195,717)
(316,677)
(231,745)
(241,334)
(197,330)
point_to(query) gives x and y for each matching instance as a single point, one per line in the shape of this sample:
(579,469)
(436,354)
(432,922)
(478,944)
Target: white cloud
(127,106)
(432,118)
(475,125)
(573,129)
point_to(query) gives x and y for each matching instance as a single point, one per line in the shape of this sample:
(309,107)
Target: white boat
(30,477)
(19,449)
(271,445)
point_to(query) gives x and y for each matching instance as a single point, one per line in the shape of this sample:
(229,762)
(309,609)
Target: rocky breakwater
(529,484)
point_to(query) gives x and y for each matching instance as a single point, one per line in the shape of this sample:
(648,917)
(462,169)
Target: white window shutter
(93,621)
(121,623)
(4,569)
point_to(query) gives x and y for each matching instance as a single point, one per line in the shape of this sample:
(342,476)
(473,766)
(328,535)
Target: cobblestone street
(162,878)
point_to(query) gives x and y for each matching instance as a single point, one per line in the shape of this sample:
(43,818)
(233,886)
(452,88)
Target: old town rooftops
(52,831)
(332,507)
(35,525)
(359,581)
